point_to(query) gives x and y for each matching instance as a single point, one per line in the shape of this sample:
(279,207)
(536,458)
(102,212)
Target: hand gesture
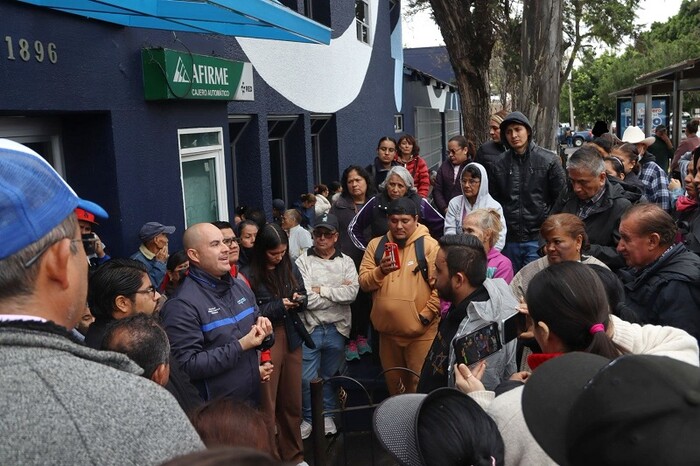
(387,265)
(265,324)
(466,380)
(253,339)
(162,254)
(266,370)
(99,247)
(674,184)
(521,376)
(529,333)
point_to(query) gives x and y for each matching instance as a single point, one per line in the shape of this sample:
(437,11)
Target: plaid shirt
(586,208)
(656,185)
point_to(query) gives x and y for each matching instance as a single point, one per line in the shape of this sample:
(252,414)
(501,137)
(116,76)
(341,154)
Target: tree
(541,68)
(467,27)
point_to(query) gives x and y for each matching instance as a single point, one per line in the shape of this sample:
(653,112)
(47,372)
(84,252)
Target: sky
(420,30)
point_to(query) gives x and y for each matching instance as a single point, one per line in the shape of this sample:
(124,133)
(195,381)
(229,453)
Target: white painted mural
(332,74)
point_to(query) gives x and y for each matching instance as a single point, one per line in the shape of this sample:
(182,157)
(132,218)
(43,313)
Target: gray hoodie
(501,305)
(67,404)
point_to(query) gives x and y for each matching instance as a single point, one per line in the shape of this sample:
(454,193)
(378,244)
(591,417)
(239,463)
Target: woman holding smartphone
(280,294)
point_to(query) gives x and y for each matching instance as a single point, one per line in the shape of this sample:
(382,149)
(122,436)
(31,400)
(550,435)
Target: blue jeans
(323,361)
(521,254)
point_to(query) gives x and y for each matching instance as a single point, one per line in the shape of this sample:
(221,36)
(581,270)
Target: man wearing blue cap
(153,252)
(64,403)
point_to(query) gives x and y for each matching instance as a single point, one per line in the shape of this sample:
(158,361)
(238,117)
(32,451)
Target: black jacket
(446,186)
(667,292)
(601,225)
(344,210)
(489,152)
(525,185)
(632,192)
(688,223)
(272,307)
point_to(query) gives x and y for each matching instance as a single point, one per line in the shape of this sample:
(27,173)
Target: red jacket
(419,171)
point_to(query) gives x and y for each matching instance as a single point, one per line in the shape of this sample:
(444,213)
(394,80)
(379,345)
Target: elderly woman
(398,183)
(486,224)
(565,238)
(475,195)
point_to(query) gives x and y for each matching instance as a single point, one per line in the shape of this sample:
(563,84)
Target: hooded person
(526,181)
(475,195)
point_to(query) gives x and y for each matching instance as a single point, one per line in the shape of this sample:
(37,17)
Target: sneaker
(351,351)
(329,426)
(362,345)
(305,429)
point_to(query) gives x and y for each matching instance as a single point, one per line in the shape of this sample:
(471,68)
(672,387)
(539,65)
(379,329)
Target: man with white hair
(64,403)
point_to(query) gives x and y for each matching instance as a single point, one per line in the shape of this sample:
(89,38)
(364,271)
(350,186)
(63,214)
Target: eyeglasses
(39,253)
(454,151)
(471,181)
(229,241)
(150,290)
(324,234)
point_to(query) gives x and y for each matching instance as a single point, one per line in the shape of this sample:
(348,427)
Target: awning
(263,19)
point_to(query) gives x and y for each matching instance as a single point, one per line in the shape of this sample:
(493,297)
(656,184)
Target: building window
(318,122)
(43,135)
(362,20)
(398,123)
(237,125)
(203,174)
(277,130)
(318,10)
(428,124)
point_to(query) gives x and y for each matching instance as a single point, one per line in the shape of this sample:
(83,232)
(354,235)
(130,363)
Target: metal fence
(355,443)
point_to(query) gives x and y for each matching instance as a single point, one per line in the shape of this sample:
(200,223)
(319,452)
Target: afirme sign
(169,74)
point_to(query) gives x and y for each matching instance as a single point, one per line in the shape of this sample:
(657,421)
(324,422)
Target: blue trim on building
(228,320)
(263,19)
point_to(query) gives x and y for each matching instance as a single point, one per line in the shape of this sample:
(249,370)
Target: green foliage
(663,45)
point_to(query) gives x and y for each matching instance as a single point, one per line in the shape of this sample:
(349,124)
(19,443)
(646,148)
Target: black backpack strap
(379,252)
(420,257)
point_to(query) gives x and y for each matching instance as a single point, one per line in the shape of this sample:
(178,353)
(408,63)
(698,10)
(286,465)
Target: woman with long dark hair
(408,156)
(280,294)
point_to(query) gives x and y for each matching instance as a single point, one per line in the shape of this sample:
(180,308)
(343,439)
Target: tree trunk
(541,68)
(468,31)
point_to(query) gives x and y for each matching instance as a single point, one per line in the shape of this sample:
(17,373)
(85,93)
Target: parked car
(577,137)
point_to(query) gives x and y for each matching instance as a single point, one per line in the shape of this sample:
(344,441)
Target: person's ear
(161,374)
(193,255)
(654,240)
(55,263)
(544,329)
(122,305)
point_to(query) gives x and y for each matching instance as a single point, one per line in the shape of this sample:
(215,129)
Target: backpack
(420,256)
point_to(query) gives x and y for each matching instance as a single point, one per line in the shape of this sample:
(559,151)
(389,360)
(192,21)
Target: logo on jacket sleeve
(242,300)
(213,310)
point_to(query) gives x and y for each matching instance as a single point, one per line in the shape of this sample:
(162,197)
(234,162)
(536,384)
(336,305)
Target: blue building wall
(122,151)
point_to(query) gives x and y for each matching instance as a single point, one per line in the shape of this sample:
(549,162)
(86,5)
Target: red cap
(85,216)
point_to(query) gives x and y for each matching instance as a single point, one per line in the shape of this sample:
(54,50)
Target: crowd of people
(461,285)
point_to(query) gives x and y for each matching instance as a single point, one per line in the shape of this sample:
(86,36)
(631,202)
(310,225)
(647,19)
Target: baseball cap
(329,221)
(152,229)
(278,204)
(402,206)
(637,409)
(34,199)
(85,216)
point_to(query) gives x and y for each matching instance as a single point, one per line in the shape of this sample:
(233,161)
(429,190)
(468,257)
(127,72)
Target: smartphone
(89,244)
(392,250)
(475,346)
(514,326)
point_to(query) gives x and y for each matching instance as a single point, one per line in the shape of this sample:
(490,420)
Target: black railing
(356,407)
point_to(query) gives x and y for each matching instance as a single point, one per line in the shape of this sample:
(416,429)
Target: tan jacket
(399,297)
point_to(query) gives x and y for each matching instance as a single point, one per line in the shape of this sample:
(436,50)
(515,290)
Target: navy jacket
(666,292)
(205,321)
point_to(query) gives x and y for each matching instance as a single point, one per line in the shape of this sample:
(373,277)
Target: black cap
(329,221)
(637,409)
(402,206)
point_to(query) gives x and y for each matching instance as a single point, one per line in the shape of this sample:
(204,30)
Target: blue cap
(34,199)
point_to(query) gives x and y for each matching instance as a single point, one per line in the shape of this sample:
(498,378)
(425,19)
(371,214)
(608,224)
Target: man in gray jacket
(64,403)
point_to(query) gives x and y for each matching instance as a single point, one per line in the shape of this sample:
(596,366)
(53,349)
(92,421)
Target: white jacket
(459,207)
(337,279)
(506,409)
